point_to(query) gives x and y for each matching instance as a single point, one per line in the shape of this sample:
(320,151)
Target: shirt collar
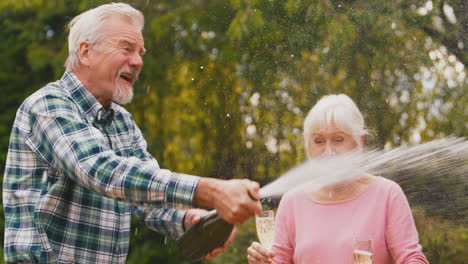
(91,107)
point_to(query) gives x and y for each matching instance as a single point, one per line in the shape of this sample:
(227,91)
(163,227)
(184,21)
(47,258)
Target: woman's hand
(256,254)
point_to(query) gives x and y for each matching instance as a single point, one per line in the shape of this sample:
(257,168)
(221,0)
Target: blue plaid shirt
(75,173)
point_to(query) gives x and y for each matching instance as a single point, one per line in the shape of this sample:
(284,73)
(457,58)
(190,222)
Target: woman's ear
(363,139)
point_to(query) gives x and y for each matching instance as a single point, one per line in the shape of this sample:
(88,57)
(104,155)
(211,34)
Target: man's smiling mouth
(127,77)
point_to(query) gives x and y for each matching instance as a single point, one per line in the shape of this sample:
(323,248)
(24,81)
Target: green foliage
(150,247)
(2,226)
(443,242)
(226,85)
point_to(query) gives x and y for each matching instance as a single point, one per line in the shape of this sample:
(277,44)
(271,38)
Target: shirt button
(91,118)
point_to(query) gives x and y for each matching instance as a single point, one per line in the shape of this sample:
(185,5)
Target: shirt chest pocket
(121,142)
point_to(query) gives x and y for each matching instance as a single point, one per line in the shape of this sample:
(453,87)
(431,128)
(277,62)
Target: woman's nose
(329,150)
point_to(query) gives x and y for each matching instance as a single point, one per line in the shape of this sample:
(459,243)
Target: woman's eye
(318,141)
(339,139)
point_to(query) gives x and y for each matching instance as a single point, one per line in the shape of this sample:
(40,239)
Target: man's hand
(234,200)
(194,216)
(239,201)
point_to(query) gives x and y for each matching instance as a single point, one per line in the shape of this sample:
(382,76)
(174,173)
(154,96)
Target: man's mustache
(129,73)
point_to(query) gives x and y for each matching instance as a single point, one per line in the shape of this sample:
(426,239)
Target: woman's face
(330,141)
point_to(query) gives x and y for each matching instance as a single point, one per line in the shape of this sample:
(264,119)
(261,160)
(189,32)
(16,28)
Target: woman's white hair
(88,26)
(338,110)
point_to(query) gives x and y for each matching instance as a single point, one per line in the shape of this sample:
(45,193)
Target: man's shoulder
(51,97)
(50,90)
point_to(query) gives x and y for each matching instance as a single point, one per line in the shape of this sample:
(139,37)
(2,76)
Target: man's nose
(136,60)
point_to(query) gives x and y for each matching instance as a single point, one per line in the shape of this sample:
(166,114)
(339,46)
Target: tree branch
(450,43)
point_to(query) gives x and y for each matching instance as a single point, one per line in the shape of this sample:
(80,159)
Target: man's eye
(339,139)
(318,141)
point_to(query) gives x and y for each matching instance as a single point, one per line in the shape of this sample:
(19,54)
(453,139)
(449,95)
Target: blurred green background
(226,85)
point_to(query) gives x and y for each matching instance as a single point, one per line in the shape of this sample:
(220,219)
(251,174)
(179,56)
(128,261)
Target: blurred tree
(445,21)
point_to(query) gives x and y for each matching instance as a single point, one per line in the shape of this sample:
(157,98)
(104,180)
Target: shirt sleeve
(62,139)
(283,245)
(166,221)
(401,233)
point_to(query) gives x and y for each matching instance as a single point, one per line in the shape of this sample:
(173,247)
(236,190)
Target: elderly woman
(320,226)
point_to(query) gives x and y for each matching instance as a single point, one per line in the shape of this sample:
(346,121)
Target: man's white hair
(88,26)
(338,110)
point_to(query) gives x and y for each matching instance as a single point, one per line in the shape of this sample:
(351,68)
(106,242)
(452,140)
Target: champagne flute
(362,251)
(265,224)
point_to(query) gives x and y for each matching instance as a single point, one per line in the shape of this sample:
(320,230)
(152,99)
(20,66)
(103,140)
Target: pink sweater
(308,232)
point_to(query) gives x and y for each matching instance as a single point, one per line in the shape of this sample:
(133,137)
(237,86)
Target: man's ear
(84,52)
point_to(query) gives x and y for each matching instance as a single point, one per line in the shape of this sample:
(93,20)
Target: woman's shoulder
(386,185)
(293,196)
(384,181)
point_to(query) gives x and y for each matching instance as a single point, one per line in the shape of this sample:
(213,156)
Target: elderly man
(77,165)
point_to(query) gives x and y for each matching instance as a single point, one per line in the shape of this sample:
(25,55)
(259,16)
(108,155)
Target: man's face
(116,61)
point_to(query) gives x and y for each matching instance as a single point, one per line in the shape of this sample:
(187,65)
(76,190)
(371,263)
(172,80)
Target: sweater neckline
(366,190)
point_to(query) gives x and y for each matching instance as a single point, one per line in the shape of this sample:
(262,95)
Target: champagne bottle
(210,233)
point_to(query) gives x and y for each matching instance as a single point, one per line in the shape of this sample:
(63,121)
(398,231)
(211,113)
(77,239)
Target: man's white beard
(123,93)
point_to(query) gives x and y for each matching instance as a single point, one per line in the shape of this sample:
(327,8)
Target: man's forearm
(207,192)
